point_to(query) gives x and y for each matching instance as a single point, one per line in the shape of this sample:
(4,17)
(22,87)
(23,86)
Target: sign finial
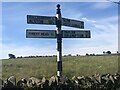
(58,9)
(58,5)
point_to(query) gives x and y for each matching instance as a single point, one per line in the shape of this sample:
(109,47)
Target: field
(47,66)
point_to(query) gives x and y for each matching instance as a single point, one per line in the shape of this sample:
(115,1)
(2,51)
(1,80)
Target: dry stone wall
(95,82)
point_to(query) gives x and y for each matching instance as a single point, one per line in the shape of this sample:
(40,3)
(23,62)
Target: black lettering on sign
(33,33)
(52,34)
(42,34)
(46,34)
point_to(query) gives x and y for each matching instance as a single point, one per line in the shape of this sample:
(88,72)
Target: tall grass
(47,66)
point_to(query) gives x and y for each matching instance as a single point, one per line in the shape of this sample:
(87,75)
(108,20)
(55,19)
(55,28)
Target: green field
(72,66)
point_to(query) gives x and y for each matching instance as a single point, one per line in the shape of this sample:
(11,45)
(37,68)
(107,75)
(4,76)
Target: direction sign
(51,20)
(32,19)
(40,33)
(58,21)
(75,34)
(72,23)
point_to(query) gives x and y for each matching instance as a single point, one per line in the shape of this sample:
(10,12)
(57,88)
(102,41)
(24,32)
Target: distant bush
(11,56)
(87,54)
(77,55)
(92,54)
(108,52)
(69,55)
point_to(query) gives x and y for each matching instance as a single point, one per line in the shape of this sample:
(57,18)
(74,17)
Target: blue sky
(101,18)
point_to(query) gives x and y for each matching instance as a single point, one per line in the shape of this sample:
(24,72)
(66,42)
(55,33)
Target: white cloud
(0,30)
(106,24)
(110,19)
(88,20)
(104,40)
(25,50)
(104,37)
(72,14)
(104,29)
(75,48)
(101,5)
(54,1)
(104,33)
(96,50)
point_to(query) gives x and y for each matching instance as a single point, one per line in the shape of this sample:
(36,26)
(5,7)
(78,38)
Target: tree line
(12,56)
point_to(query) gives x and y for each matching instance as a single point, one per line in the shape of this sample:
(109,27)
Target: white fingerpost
(59,34)
(59,41)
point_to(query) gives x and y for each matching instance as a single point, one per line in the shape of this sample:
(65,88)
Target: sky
(101,18)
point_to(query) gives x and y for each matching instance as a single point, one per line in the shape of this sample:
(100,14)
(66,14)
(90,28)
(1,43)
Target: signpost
(32,19)
(58,33)
(40,33)
(30,33)
(72,23)
(75,34)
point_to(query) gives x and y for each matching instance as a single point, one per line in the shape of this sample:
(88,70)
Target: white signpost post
(58,33)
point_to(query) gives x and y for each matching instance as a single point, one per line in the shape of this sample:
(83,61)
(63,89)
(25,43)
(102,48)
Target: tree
(117,52)
(108,52)
(11,56)
(69,55)
(103,52)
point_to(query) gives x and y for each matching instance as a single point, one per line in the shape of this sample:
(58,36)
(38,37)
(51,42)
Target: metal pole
(118,37)
(59,41)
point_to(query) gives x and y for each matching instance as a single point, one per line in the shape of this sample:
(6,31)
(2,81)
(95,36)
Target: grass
(47,66)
